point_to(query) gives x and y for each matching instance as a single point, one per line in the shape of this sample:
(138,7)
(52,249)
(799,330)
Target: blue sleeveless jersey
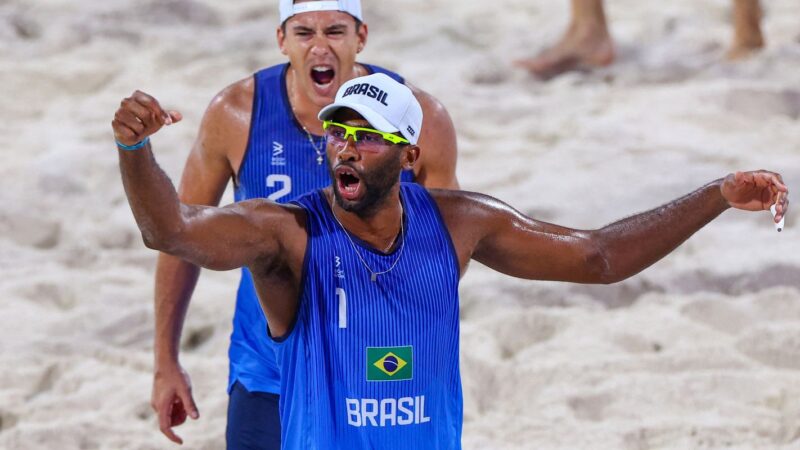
(374,364)
(279,163)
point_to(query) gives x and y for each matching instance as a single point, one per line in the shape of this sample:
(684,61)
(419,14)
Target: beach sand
(702,350)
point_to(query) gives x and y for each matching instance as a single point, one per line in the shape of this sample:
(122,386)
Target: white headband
(289,8)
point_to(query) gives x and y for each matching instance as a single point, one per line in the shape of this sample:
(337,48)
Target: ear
(281,37)
(362,33)
(410,156)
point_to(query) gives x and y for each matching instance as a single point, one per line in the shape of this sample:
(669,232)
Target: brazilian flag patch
(390,363)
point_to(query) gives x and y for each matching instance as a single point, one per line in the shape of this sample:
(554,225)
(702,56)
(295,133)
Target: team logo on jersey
(390,363)
(338,272)
(277,154)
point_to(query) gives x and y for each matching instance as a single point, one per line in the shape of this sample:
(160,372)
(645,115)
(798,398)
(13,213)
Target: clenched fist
(140,116)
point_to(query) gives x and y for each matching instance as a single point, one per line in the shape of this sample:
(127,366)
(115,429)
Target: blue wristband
(135,146)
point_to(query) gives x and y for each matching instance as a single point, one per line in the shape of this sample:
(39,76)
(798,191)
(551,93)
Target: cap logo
(368,90)
(370,95)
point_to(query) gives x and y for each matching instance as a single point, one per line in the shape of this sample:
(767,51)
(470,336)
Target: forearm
(152,197)
(630,245)
(175,282)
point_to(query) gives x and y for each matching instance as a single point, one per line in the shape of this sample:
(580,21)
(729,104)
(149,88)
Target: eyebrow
(337,27)
(297,28)
(334,27)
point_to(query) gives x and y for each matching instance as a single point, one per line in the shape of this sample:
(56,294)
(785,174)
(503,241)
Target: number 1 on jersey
(341,295)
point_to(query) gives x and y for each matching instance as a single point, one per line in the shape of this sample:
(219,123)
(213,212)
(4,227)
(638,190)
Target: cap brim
(375,120)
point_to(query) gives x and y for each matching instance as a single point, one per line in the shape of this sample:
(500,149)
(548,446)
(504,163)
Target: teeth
(349,187)
(321,68)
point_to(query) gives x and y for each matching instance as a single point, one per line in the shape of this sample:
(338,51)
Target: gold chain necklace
(373,276)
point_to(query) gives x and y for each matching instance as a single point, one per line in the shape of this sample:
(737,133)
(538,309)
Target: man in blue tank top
(263,133)
(360,279)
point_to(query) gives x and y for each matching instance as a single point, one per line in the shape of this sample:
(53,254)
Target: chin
(364,206)
(353,206)
(322,100)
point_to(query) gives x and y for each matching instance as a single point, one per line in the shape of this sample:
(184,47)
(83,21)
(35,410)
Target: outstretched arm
(505,240)
(215,238)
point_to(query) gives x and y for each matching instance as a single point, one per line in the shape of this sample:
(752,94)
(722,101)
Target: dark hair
(358,24)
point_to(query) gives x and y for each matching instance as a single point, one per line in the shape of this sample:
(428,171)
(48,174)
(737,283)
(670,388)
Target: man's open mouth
(348,183)
(322,75)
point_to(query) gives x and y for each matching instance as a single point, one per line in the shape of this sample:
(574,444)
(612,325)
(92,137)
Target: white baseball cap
(387,105)
(289,8)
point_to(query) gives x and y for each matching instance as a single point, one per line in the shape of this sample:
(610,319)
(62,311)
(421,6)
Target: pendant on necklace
(373,276)
(319,160)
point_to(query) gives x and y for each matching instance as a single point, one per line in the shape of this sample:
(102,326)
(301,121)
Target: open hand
(756,191)
(140,116)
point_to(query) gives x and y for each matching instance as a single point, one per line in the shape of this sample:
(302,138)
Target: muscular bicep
(525,248)
(231,237)
(495,234)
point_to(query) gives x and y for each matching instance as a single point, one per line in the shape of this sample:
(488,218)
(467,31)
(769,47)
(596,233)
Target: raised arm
(436,167)
(212,162)
(504,239)
(215,238)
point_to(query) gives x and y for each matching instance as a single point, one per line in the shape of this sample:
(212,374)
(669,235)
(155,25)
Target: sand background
(700,351)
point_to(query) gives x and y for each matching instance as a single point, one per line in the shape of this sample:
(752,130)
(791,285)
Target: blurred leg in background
(747,36)
(587,42)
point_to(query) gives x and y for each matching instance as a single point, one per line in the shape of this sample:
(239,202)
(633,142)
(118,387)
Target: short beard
(377,186)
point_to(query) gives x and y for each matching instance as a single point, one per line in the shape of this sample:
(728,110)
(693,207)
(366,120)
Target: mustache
(350,166)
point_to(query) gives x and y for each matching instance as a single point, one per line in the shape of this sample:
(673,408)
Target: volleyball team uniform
(371,361)
(280,163)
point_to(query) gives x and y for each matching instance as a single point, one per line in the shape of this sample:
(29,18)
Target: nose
(319,46)
(347,150)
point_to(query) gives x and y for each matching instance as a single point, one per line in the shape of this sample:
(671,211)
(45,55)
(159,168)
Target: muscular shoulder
(225,128)
(457,205)
(473,214)
(467,216)
(432,108)
(436,167)
(234,103)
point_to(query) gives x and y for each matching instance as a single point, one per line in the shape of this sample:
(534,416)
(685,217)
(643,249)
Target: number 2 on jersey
(285,186)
